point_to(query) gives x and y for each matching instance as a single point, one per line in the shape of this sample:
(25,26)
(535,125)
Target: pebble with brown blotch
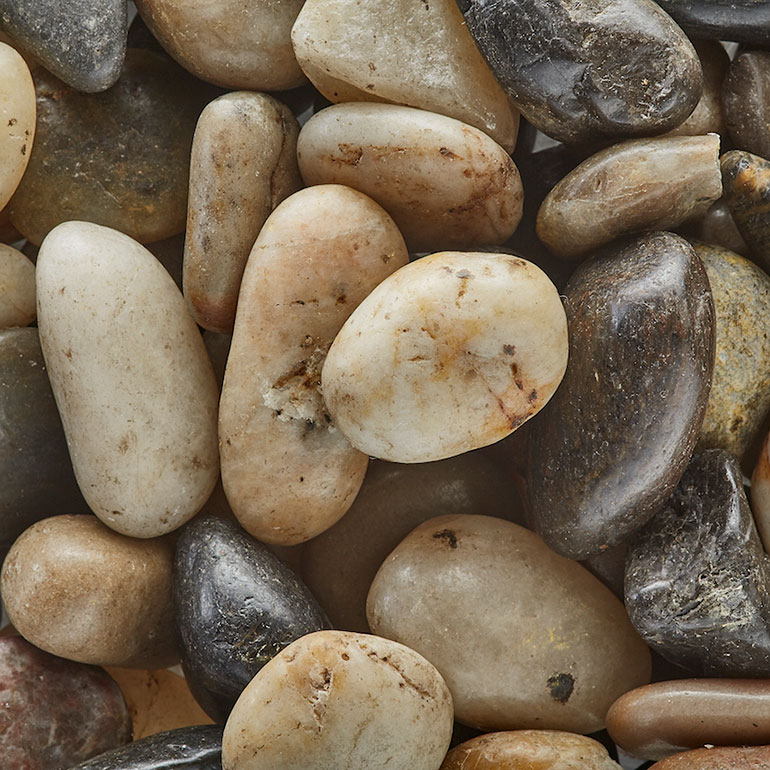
(718,758)
(451,353)
(334,699)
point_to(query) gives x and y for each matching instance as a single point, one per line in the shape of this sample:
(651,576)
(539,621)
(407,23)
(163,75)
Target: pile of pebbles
(400,369)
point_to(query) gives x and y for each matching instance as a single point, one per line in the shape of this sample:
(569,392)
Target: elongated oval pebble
(75,588)
(336,699)
(452,353)
(600,200)
(288,473)
(17,288)
(446,184)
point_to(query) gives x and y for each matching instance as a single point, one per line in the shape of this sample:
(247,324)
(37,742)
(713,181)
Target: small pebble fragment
(17,288)
(697,578)
(718,758)
(744,21)
(617,437)
(558,656)
(75,588)
(372,51)
(642,184)
(746,96)
(236,607)
(55,712)
(338,699)
(667,717)
(446,184)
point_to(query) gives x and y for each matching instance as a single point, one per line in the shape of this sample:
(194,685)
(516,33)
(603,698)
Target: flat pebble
(746,97)
(17,288)
(718,758)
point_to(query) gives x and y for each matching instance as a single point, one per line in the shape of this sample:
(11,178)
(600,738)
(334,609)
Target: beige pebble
(334,699)
(287,471)
(17,288)
(77,589)
(371,51)
(131,377)
(243,164)
(523,637)
(446,184)
(452,353)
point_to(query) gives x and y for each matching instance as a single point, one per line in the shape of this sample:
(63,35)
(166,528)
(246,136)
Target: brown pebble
(719,758)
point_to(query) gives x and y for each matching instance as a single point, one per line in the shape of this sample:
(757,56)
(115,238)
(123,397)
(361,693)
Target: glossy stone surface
(600,200)
(668,717)
(56,713)
(744,21)
(718,228)
(338,700)
(557,657)
(760,493)
(385,52)
(237,606)
(17,288)
(746,96)
(119,158)
(718,758)
(189,748)
(620,430)
(394,499)
(697,578)
(566,65)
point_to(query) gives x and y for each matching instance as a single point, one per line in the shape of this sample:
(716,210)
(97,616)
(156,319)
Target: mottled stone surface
(744,21)
(620,430)
(56,713)
(189,748)
(600,200)
(119,158)
(746,96)
(565,63)
(339,699)
(667,717)
(17,288)
(237,606)
(718,758)
(697,578)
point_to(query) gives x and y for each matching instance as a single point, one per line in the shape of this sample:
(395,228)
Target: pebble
(747,103)
(232,43)
(17,288)
(718,758)
(339,699)
(446,184)
(530,749)
(558,656)
(120,158)
(287,470)
(76,589)
(760,493)
(236,607)
(697,578)
(453,352)
(744,21)
(371,51)
(619,433)
(131,377)
(84,45)
(243,164)
(566,65)
(17,119)
(56,713)
(601,199)
(668,717)
(718,228)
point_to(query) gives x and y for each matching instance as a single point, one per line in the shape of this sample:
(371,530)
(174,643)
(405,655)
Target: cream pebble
(17,288)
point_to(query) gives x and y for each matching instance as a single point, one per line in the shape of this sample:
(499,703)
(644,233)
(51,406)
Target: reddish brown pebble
(719,758)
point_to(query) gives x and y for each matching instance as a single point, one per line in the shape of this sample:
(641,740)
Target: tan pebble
(17,288)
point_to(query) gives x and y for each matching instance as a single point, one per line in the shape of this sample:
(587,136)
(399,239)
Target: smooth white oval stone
(17,288)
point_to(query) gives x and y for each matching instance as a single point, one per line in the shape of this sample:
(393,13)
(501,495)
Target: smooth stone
(668,717)
(557,657)
(37,472)
(158,700)
(392,52)
(530,749)
(446,184)
(17,288)
(393,500)
(641,322)
(232,43)
(739,400)
(718,758)
(120,158)
(76,589)
(339,699)
(132,379)
(697,578)
(717,227)
(189,748)
(236,606)
(760,493)
(243,164)
(451,353)
(600,200)
(743,21)
(56,713)
(567,67)
(17,119)
(287,470)
(746,97)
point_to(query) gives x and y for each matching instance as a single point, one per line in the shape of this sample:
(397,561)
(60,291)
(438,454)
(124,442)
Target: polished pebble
(17,288)
(718,758)
(760,493)
(746,97)
(717,227)
(743,21)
